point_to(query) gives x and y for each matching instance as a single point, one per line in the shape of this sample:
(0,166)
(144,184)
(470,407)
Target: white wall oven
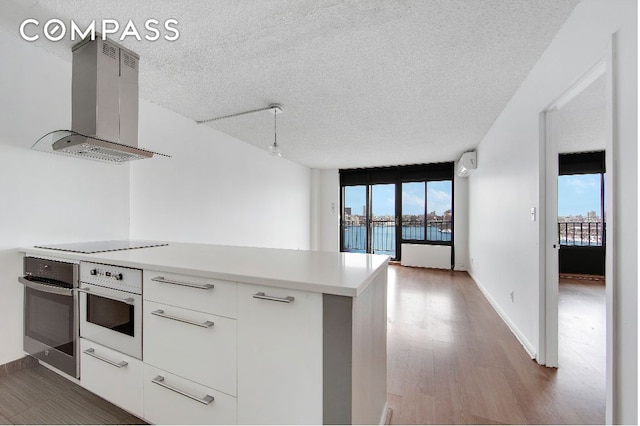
(111,307)
(51,313)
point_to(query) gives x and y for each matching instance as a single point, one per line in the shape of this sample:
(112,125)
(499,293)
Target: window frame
(398,175)
(426,241)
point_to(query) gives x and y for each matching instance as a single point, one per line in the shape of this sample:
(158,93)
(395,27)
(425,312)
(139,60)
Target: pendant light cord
(275,129)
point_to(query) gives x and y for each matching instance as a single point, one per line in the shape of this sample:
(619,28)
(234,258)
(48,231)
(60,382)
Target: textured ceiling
(362,83)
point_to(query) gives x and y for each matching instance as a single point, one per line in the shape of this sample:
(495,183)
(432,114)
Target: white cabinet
(191,344)
(170,399)
(114,376)
(279,356)
(199,294)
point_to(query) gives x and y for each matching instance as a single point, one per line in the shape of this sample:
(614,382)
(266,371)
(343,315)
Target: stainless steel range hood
(104,106)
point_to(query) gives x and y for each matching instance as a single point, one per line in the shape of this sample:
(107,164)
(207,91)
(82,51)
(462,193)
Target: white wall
(45,198)
(215,189)
(325,210)
(503,241)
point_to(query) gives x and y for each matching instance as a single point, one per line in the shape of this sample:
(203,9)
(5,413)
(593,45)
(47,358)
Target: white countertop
(342,274)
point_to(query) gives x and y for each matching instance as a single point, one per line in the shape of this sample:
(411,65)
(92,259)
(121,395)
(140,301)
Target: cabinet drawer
(279,356)
(113,376)
(169,399)
(195,345)
(213,296)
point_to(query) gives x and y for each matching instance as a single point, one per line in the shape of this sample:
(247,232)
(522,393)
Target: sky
(383,198)
(578,194)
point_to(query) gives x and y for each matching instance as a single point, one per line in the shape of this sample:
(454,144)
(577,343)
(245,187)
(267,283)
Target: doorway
(575,334)
(369,219)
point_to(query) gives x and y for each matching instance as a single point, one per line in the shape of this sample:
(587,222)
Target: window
(580,219)
(383,207)
(427,211)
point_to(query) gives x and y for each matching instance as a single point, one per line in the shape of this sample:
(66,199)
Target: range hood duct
(104,106)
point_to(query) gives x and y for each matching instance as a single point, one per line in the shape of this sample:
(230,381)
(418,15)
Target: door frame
(368,225)
(548,277)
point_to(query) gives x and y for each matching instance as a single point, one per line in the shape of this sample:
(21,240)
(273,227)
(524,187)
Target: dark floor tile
(70,407)
(23,389)
(86,398)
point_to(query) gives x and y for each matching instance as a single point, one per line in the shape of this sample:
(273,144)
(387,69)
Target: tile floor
(39,396)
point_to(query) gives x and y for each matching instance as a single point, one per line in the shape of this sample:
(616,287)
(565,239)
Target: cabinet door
(171,399)
(279,356)
(198,346)
(114,376)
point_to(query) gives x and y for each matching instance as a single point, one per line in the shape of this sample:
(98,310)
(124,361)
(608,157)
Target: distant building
(347,211)
(592,215)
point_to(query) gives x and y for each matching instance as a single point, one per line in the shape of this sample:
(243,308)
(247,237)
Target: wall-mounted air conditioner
(466,164)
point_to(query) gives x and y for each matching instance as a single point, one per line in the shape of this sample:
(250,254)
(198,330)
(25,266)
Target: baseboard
(528,347)
(18,364)
(385,419)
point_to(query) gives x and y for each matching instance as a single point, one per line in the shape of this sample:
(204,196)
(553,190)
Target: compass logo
(56,29)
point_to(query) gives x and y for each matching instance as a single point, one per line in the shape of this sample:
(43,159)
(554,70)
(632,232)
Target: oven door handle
(128,300)
(46,288)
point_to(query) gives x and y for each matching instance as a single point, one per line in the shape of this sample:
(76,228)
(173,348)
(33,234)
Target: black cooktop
(102,246)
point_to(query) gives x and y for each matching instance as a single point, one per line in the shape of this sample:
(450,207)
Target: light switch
(533,214)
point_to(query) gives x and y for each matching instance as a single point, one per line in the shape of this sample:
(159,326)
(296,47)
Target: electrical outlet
(472,260)
(511,295)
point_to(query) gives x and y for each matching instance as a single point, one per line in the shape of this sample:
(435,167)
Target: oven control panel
(44,269)
(110,276)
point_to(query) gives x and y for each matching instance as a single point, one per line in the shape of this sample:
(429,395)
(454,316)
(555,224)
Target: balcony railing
(580,233)
(383,237)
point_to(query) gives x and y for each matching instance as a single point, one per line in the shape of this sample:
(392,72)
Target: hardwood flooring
(38,396)
(452,360)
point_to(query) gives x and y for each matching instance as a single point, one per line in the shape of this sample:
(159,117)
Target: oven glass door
(112,318)
(113,314)
(49,318)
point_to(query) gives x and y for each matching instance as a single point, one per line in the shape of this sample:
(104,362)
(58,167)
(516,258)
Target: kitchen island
(299,336)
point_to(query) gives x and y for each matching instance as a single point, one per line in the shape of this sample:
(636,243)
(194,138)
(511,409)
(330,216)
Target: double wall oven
(65,301)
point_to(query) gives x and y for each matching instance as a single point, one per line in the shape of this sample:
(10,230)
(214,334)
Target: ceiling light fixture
(274,149)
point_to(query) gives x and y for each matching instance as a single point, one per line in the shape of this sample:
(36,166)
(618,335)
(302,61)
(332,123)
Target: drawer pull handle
(206,400)
(263,296)
(160,313)
(92,352)
(128,300)
(182,283)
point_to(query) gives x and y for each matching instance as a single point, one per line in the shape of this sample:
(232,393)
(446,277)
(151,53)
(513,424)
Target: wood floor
(451,359)
(39,396)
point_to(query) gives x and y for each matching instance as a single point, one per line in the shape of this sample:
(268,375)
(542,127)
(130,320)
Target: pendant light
(274,149)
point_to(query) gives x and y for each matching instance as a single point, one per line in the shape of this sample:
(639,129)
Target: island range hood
(104,106)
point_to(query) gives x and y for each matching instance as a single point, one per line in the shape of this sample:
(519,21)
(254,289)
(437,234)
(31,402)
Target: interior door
(355,219)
